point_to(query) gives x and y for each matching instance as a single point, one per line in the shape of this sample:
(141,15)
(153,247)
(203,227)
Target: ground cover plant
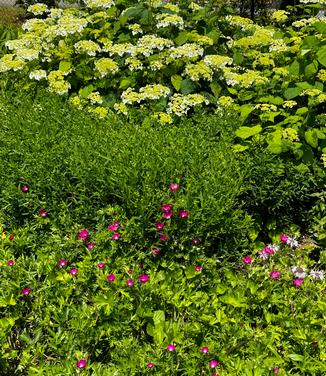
(137,240)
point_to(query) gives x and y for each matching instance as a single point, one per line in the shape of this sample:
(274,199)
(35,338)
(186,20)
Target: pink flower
(171,347)
(143,278)
(150,365)
(115,236)
(83,235)
(90,245)
(101,265)
(156,251)
(166,208)
(82,363)
(110,278)
(198,268)
(114,226)
(62,262)
(215,374)
(275,370)
(247,260)
(268,250)
(275,274)
(159,226)
(43,213)
(297,282)
(183,214)
(12,237)
(174,187)
(168,215)
(130,282)
(24,188)
(73,271)
(195,241)
(26,291)
(10,262)
(163,237)
(284,238)
(204,350)
(213,363)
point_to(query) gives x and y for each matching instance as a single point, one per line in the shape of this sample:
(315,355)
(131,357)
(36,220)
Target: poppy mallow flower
(297,282)
(150,365)
(171,347)
(81,363)
(174,187)
(114,226)
(26,291)
(213,363)
(247,260)
(143,278)
(275,274)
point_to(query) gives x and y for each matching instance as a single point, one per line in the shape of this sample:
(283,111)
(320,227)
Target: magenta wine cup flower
(115,236)
(195,241)
(275,370)
(12,237)
(111,278)
(81,363)
(156,251)
(150,365)
(163,237)
(198,268)
(213,363)
(90,245)
(62,262)
(171,347)
(174,187)
(10,262)
(114,226)
(26,291)
(284,238)
(101,265)
(297,282)
(166,208)
(167,215)
(204,350)
(183,214)
(130,282)
(143,278)
(24,188)
(275,274)
(247,260)
(43,213)
(83,235)
(159,226)
(73,271)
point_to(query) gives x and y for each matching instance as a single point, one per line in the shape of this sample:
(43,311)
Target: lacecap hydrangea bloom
(106,66)
(39,74)
(198,71)
(88,47)
(165,20)
(188,50)
(246,79)
(93,4)
(181,104)
(37,9)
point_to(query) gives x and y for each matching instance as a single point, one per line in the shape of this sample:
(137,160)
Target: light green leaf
(246,132)
(311,137)
(321,56)
(176,81)
(64,66)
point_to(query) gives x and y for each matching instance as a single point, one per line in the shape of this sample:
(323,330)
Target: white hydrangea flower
(37,9)
(99,4)
(165,20)
(38,75)
(188,50)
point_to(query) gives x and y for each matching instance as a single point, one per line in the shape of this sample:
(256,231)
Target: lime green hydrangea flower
(87,46)
(8,62)
(266,107)
(121,108)
(99,112)
(322,75)
(243,23)
(198,71)
(261,37)
(163,118)
(188,50)
(289,104)
(226,101)
(27,54)
(135,29)
(280,16)
(106,66)
(290,134)
(57,84)
(172,7)
(95,98)
(246,79)
(37,9)
(166,20)
(181,104)
(134,63)
(77,102)
(323,159)
(93,4)
(217,61)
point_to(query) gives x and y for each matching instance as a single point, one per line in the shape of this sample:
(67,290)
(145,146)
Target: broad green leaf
(311,137)
(158,317)
(238,148)
(321,56)
(125,83)
(133,12)
(246,110)
(310,42)
(181,38)
(216,88)
(294,68)
(311,69)
(187,86)
(176,81)
(296,357)
(246,132)
(320,26)
(86,91)
(292,92)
